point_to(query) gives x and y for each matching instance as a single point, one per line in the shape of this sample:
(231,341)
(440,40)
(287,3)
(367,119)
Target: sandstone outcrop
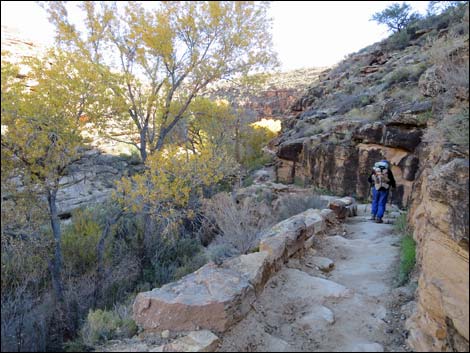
(352,117)
(272,98)
(439,216)
(91,180)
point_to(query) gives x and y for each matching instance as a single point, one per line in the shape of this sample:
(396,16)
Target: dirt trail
(347,309)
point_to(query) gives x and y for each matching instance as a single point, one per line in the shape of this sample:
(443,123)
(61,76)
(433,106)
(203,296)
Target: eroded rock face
(439,215)
(91,180)
(352,117)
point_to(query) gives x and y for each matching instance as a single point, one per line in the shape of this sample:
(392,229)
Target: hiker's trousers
(379,201)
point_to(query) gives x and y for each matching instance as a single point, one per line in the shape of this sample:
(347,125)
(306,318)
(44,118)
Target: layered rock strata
(440,219)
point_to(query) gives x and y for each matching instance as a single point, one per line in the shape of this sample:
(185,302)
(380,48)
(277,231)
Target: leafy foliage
(407,258)
(396,16)
(166,56)
(173,177)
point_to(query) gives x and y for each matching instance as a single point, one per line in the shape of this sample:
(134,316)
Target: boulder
(253,267)
(276,247)
(290,150)
(328,215)
(369,69)
(339,208)
(407,139)
(318,318)
(314,222)
(322,263)
(292,231)
(195,341)
(430,83)
(369,133)
(211,298)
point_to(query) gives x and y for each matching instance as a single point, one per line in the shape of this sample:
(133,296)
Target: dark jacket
(392,182)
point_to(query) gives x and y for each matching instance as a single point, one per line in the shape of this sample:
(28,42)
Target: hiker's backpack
(380,175)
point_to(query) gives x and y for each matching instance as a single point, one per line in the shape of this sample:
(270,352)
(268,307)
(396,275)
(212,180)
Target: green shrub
(298,181)
(79,240)
(407,249)
(407,258)
(248,181)
(102,325)
(398,41)
(408,73)
(218,253)
(77,345)
(423,118)
(175,258)
(401,224)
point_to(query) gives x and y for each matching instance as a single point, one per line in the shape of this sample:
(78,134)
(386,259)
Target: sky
(305,33)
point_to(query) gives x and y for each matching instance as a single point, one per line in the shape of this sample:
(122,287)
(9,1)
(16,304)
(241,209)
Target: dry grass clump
(239,224)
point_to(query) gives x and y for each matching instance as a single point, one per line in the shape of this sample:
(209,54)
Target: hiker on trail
(381,180)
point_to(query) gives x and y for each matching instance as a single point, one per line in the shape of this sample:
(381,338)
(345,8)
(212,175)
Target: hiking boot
(372,218)
(379,220)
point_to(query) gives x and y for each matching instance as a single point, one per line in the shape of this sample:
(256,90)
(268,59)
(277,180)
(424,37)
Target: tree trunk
(143,145)
(55,266)
(237,144)
(146,246)
(99,255)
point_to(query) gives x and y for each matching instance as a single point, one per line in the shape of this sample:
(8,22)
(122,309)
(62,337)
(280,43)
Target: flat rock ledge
(215,297)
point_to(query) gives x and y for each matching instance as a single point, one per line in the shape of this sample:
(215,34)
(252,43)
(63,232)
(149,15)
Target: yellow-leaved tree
(169,189)
(163,55)
(41,131)
(166,56)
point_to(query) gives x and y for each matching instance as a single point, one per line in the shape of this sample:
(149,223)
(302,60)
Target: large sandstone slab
(314,222)
(318,288)
(211,298)
(291,231)
(255,268)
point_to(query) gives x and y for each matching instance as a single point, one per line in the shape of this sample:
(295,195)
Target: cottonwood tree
(41,131)
(166,56)
(396,16)
(225,127)
(169,188)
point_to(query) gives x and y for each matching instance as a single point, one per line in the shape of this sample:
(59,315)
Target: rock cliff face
(439,216)
(91,180)
(353,117)
(272,98)
(397,104)
(17,45)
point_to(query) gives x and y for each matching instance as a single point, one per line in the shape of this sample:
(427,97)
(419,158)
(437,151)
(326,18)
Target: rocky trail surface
(338,297)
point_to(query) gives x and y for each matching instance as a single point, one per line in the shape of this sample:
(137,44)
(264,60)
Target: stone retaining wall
(216,297)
